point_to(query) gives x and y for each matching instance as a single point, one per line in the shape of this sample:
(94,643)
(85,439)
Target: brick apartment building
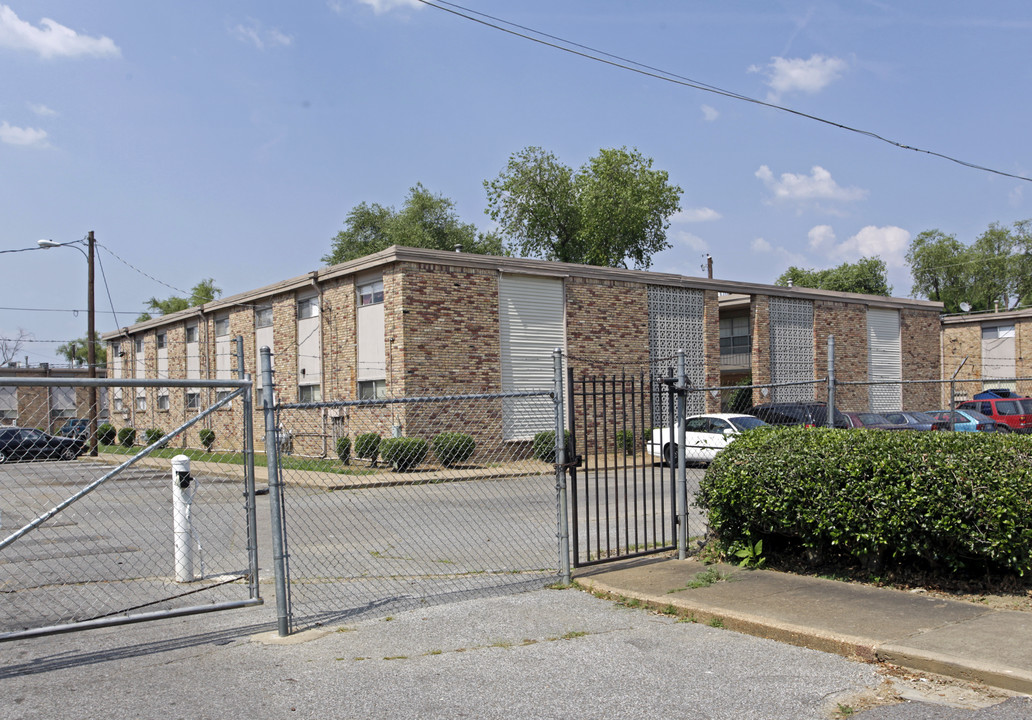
(411,322)
(997,347)
(47,408)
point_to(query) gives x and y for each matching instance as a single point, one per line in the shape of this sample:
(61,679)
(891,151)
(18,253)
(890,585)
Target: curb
(1006,678)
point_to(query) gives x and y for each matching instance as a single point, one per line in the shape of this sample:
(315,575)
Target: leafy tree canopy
(425,220)
(76,352)
(866,275)
(994,271)
(203,292)
(611,212)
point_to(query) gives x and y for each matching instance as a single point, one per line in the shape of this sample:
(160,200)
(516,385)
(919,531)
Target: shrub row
(126,437)
(450,448)
(947,501)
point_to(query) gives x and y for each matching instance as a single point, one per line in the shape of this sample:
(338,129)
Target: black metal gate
(622,493)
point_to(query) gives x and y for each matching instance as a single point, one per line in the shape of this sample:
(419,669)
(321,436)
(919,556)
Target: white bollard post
(183,487)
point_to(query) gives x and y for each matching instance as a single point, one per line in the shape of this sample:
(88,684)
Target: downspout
(314,277)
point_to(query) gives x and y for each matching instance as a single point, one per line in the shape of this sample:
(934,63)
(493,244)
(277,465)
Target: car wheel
(3,457)
(670,454)
(69,454)
(1002,429)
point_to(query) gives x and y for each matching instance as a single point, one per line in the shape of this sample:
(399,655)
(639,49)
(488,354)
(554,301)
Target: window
(141,402)
(263,316)
(372,389)
(162,340)
(138,344)
(309,393)
(307,308)
(222,326)
(8,404)
(222,395)
(734,335)
(162,402)
(193,401)
(118,403)
(62,403)
(191,333)
(370,293)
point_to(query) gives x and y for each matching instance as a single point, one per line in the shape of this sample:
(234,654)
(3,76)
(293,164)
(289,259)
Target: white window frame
(163,404)
(370,293)
(263,316)
(308,307)
(192,399)
(372,389)
(190,333)
(309,393)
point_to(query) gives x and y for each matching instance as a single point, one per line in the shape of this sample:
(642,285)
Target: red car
(1014,412)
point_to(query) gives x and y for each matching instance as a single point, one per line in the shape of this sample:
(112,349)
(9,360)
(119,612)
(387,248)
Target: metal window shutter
(999,357)
(531,315)
(884,359)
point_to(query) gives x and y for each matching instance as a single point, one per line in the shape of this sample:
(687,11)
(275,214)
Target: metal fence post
(682,468)
(249,489)
(831,381)
(279,554)
(560,469)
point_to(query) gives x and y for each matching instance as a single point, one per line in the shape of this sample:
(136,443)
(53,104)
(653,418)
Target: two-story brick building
(410,322)
(995,349)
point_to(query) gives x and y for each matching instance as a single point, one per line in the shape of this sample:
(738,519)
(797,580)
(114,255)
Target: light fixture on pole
(91,335)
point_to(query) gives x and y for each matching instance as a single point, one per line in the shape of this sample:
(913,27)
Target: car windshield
(747,423)
(975,417)
(872,419)
(1026,406)
(920,417)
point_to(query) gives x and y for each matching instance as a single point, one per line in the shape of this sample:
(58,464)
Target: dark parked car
(17,443)
(916,420)
(809,414)
(75,428)
(872,421)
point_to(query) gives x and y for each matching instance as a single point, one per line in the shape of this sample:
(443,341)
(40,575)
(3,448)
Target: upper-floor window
(138,344)
(734,335)
(162,340)
(307,308)
(370,293)
(222,326)
(191,333)
(263,316)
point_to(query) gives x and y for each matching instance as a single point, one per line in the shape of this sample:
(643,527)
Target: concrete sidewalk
(912,630)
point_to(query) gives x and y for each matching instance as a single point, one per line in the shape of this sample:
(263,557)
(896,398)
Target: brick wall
(919,339)
(759,314)
(847,322)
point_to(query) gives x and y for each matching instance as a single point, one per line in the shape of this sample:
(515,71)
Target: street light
(91,348)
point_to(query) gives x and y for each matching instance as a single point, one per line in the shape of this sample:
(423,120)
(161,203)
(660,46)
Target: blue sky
(230,139)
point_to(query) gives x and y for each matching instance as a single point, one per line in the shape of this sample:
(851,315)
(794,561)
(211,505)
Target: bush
(152,435)
(451,448)
(926,500)
(127,437)
(625,440)
(106,434)
(544,445)
(404,453)
(344,449)
(207,437)
(367,445)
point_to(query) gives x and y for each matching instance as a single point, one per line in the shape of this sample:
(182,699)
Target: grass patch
(704,579)
(287,462)
(716,623)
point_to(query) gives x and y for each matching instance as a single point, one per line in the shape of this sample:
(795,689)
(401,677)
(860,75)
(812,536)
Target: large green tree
(866,275)
(203,292)
(424,220)
(995,271)
(77,353)
(614,211)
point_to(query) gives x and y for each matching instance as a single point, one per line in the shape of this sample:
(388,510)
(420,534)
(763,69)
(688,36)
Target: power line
(659,74)
(141,272)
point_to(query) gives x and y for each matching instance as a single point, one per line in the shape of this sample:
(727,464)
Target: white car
(704,436)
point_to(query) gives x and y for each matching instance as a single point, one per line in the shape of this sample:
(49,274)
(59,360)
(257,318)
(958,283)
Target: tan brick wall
(847,322)
(919,339)
(759,313)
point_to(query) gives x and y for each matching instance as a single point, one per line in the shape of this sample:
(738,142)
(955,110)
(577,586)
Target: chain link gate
(390,504)
(91,540)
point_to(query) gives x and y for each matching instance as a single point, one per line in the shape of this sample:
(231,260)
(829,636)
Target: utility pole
(91,346)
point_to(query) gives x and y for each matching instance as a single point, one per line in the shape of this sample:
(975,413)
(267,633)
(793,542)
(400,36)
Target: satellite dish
(965,306)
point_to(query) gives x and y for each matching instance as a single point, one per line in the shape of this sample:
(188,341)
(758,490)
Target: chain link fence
(396,503)
(95,527)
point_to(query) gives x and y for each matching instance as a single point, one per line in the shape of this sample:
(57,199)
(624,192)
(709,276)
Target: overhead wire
(589,53)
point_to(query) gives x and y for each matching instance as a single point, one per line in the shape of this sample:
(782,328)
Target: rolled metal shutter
(884,360)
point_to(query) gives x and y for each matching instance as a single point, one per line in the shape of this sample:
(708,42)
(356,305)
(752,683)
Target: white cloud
(787,75)
(760,245)
(382,6)
(254,34)
(703,214)
(818,185)
(821,236)
(693,242)
(1015,195)
(709,113)
(42,110)
(22,136)
(889,243)
(51,39)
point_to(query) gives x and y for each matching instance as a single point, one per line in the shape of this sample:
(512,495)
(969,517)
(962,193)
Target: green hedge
(344,449)
(544,445)
(152,435)
(452,448)
(106,434)
(939,500)
(127,437)
(367,445)
(207,438)
(404,453)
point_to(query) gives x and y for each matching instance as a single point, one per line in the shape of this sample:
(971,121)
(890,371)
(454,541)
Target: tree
(9,346)
(939,265)
(203,292)
(76,352)
(425,220)
(866,276)
(614,210)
